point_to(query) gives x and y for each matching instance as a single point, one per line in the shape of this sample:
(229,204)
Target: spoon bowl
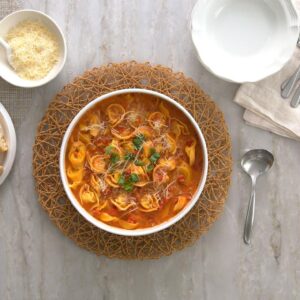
(254,163)
(8,51)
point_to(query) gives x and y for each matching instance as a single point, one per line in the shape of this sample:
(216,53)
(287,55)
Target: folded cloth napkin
(263,103)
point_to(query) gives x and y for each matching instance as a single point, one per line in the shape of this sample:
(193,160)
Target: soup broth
(134,161)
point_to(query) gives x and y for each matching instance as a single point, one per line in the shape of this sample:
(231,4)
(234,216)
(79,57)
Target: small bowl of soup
(133,162)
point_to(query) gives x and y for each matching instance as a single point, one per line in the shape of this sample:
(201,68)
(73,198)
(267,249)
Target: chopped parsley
(152,151)
(154,157)
(149,168)
(114,158)
(121,180)
(127,183)
(139,163)
(128,187)
(109,149)
(129,156)
(138,141)
(133,177)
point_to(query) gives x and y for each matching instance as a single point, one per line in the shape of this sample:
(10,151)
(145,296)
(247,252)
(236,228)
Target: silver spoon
(254,163)
(8,51)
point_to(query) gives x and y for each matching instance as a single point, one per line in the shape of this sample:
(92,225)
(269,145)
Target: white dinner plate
(7,159)
(244,40)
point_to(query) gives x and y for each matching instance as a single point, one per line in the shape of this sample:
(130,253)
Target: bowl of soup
(133,162)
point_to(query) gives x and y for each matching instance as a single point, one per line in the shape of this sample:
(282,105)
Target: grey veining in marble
(38,262)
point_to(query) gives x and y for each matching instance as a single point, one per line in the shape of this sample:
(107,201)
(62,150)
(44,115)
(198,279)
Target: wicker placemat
(105,79)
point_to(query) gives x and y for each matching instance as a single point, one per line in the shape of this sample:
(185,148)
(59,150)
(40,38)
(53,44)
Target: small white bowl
(7,159)
(10,21)
(244,40)
(116,230)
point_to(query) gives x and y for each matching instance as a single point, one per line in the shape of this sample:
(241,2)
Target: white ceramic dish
(115,230)
(244,40)
(10,21)
(7,159)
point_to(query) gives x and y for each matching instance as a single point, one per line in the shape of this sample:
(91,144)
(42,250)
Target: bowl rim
(233,77)
(41,82)
(117,230)
(10,135)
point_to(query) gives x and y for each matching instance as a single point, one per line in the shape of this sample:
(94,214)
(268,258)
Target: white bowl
(10,21)
(244,40)
(7,159)
(116,230)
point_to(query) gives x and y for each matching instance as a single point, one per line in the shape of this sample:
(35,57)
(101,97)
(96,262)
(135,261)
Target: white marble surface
(38,262)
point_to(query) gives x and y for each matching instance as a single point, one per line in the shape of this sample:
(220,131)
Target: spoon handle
(250,216)
(4,44)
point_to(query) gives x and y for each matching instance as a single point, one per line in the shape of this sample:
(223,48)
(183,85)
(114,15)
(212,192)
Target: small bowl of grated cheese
(38,48)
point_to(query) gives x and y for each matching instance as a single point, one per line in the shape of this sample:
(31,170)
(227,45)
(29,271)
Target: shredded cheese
(35,49)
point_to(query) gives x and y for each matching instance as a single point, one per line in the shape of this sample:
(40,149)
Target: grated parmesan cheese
(34,49)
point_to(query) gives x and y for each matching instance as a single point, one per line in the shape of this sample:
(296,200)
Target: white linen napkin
(264,106)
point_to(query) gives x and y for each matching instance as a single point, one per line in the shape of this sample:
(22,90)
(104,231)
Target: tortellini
(77,154)
(127,225)
(144,130)
(112,179)
(171,144)
(95,183)
(105,217)
(190,151)
(125,134)
(180,203)
(164,110)
(160,175)
(115,113)
(157,120)
(160,172)
(185,170)
(122,202)
(97,163)
(149,203)
(92,125)
(87,195)
(75,175)
(178,128)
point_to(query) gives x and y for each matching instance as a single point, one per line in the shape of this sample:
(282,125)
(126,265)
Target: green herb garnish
(129,156)
(138,141)
(139,163)
(152,151)
(133,177)
(149,168)
(127,182)
(121,180)
(108,149)
(154,157)
(114,158)
(128,187)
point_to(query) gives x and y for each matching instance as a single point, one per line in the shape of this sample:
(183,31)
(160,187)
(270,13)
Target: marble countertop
(38,262)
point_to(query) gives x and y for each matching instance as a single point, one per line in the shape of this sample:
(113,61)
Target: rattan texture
(93,84)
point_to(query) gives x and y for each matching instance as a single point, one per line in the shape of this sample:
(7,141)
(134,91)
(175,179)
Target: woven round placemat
(91,85)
